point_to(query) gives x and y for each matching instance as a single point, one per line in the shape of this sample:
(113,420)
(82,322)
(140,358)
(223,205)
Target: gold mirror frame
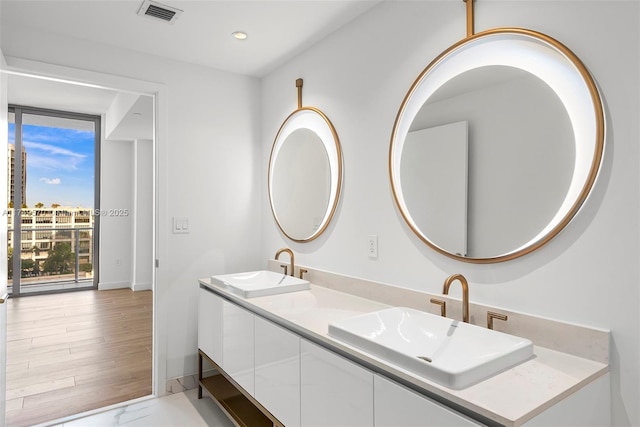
(556,225)
(315,120)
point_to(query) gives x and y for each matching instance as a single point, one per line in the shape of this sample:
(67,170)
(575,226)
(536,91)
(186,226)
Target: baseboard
(141,287)
(113,285)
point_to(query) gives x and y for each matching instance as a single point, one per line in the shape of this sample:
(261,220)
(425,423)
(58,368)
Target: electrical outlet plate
(372,248)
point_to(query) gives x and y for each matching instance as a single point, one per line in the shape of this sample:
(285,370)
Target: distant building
(11,174)
(43,228)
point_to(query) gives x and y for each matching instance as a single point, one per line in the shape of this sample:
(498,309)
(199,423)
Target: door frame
(160,221)
(4,139)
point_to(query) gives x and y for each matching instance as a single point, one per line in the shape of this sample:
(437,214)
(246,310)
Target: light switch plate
(180,225)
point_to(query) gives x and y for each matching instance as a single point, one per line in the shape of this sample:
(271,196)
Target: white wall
(208,171)
(126,215)
(116,231)
(359,76)
(143,215)
(120,106)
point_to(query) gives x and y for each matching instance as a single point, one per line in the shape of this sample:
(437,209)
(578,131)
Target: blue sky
(60,165)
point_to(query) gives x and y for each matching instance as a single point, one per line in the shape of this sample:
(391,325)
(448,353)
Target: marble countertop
(509,398)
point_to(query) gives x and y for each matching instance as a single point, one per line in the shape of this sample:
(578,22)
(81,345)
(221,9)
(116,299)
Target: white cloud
(52,158)
(52,181)
(53,149)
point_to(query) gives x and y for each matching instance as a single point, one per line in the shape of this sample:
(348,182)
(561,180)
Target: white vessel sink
(260,283)
(449,352)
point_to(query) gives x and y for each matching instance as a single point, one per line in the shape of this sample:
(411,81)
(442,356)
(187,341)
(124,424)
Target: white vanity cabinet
(334,391)
(226,339)
(238,345)
(398,406)
(210,310)
(225,334)
(277,371)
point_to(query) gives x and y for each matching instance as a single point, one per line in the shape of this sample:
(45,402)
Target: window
(52,163)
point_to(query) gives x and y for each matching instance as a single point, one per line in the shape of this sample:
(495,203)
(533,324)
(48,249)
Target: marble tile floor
(179,410)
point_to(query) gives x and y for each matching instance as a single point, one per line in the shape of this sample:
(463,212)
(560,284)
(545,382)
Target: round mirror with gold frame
(305,173)
(496,145)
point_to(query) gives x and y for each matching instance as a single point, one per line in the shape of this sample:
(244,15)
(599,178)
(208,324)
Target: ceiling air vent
(160,11)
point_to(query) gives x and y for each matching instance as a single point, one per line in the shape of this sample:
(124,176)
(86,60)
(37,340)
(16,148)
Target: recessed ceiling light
(240,35)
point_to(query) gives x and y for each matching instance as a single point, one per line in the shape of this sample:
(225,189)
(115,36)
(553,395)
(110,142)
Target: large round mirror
(305,174)
(496,145)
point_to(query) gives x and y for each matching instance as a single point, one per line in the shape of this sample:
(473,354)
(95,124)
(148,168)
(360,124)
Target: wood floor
(73,352)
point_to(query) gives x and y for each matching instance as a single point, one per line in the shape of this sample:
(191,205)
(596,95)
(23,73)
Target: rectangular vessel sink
(260,283)
(447,351)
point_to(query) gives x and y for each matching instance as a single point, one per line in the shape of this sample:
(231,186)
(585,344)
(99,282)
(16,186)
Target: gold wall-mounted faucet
(291,257)
(465,293)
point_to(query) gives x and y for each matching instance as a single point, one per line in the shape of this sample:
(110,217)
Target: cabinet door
(237,345)
(210,325)
(277,371)
(334,391)
(398,406)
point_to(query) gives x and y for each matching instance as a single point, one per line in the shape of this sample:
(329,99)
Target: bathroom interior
(572,291)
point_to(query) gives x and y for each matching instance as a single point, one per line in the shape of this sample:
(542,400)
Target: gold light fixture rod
(299,86)
(470,28)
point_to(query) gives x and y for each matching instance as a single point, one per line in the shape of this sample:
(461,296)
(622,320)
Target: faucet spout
(291,257)
(465,293)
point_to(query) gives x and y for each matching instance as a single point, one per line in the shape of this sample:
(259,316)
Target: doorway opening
(99,341)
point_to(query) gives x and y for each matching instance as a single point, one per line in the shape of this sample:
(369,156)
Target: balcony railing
(43,263)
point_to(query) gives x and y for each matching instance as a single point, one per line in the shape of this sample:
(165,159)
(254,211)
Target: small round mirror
(496,146)
(305,174)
